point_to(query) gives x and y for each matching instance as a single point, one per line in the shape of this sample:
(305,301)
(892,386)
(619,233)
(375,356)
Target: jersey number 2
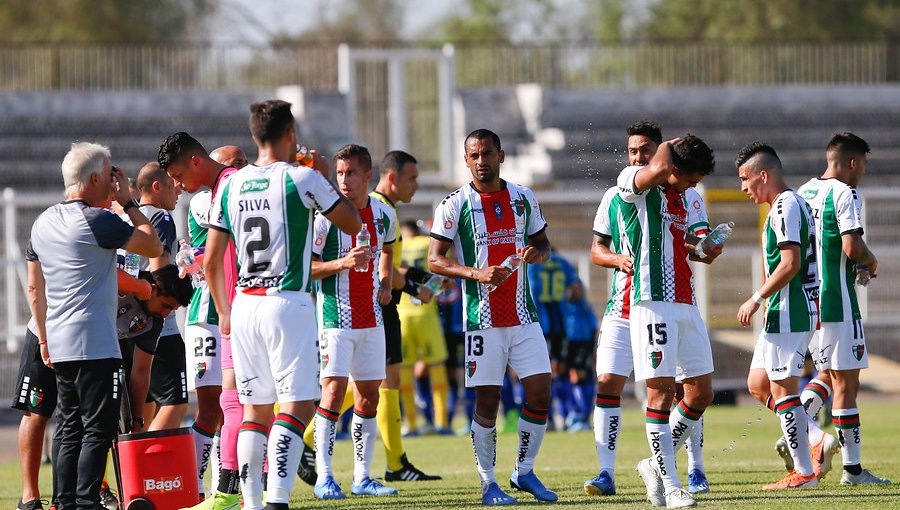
(253,225)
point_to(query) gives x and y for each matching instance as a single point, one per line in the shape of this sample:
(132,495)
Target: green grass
(738,453)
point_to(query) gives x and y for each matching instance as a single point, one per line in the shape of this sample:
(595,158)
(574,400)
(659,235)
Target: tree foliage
(740,21)
(102,21)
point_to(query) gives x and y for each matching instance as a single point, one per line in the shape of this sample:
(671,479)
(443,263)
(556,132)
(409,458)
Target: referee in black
(75,244)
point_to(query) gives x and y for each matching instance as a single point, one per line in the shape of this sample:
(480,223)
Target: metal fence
(585,65)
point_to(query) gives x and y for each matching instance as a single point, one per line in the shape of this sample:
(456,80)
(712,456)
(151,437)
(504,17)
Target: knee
(610,384)
(759,391)
(701,399)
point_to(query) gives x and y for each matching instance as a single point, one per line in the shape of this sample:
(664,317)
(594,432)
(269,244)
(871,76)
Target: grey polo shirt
(76,246)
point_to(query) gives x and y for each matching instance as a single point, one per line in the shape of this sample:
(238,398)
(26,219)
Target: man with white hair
(73,251)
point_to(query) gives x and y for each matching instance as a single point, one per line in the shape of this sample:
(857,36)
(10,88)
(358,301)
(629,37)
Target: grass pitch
(738,453)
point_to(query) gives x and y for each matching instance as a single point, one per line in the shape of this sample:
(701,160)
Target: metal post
(397,129)
(446,94)
(346,82)
(10,258)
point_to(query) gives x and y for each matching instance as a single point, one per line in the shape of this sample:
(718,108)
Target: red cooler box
(159,470)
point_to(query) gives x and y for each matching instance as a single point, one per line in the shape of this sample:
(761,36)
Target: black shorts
(455,350)
(168,376)
(555,343)
(392,345)
(579,355)
(36,384)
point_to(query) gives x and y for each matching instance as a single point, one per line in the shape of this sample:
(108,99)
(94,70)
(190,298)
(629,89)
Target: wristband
(411,288)
(757,298)
(417,275)
(42,342)
(129,204)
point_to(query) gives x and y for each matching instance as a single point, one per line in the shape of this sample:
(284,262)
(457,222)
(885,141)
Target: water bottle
(863,275)
(187,263)
(304,157)
(363,238)
(717,237)
(435,284)
(132,264)
(512,263)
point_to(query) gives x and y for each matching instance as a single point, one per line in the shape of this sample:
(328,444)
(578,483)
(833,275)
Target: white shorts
(203,355)
(839,346)
(273,339)
(614,347)
(669,340)
(781,355)
(353,352)
(489,351)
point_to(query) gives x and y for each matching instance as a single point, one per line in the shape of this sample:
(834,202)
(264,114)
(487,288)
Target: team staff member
(75,245)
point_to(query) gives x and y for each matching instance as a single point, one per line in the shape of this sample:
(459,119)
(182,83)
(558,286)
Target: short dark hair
(481,134)
(148,174)
(847,145)
(177,146)
(394,161)
(692,156)
(355,151)
(270,120)
(168,284)
(752,149)
(647,128)
(411,224)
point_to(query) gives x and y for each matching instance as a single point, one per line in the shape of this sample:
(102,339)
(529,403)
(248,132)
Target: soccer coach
(75,244)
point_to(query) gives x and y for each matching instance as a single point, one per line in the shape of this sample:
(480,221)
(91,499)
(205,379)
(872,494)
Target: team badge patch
(656,358)
(201,369)
(858,351)
(37,396)
(518,206)
(324,361)
(137,323)
(498,211)
(470,368)
(379,226)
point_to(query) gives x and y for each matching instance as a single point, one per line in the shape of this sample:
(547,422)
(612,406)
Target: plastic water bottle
(186,260)
(512,263)
(435,284)
(717,237)
(863,275)
(132,264)
(363,238)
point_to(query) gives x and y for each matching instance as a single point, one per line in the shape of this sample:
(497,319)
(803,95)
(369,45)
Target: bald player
(230,155)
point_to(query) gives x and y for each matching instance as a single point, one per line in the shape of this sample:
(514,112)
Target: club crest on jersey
(448,224)
(254,185)
(498,211)
(37,396)
(201,369)
(379,226)
(518,206)
(137,323)
(324,361)
(858,351)
(470,368)
(656,358)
